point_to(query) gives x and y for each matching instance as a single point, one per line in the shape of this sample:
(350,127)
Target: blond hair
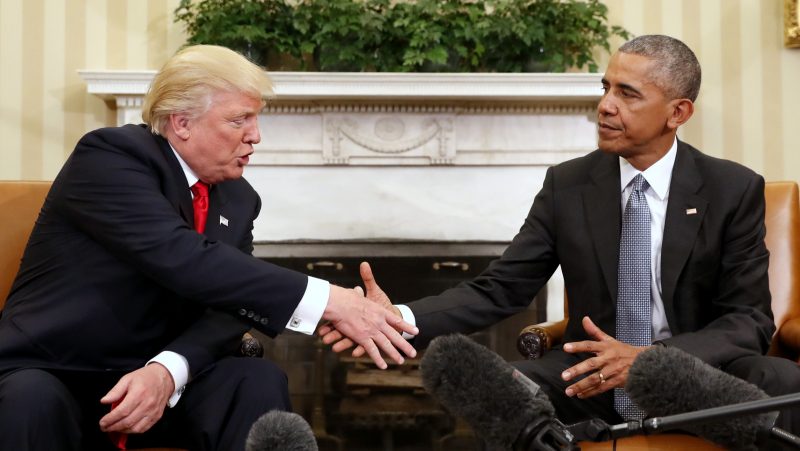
(188,80)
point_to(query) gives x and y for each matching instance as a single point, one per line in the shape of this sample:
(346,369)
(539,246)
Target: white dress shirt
(304,319)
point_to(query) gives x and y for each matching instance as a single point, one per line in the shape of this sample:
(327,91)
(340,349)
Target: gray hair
(676,69)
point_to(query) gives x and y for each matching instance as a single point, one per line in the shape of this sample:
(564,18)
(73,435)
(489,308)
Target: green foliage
(402,36)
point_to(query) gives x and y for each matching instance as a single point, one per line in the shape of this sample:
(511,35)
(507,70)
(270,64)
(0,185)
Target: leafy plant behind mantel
(405,36)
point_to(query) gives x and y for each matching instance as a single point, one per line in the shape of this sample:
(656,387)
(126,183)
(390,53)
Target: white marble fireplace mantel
(425,157)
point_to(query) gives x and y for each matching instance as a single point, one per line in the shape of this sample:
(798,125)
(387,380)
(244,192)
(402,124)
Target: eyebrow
(624,86)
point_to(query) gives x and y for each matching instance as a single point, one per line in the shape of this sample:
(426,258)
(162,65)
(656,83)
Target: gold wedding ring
(602,378)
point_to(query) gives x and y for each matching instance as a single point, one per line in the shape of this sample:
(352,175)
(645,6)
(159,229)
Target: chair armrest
(535,340)
(250,347)
(788,338)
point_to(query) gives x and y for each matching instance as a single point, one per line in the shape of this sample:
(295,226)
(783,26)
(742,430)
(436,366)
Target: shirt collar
(191,177)
(658,175)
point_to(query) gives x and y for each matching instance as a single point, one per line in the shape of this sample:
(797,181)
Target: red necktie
(200,204)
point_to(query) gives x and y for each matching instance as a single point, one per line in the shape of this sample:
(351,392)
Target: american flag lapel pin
(223,220)
(691,211)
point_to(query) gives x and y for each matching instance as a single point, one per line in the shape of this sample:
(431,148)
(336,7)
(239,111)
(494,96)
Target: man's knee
(35,392)
(257,380)
(35,406)
(774,375)
(222,404)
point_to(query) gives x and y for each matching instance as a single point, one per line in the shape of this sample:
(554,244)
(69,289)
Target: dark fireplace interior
(348,402)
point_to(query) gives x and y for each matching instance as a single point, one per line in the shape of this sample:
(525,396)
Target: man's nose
(253,135)
(606,106)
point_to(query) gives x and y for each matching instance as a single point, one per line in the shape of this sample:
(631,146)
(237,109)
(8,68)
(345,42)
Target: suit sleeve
(506,287)
(739,319)
(216,334)
(114,196)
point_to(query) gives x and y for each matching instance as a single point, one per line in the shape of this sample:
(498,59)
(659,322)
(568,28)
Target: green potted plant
(410,35)
(548,35)
(341,35)
(262,30)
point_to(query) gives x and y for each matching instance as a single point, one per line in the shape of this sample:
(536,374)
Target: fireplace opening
(348,402)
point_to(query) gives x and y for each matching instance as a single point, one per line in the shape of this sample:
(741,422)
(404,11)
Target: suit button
(250,314)
(242,312)
(256,317)
(264,321)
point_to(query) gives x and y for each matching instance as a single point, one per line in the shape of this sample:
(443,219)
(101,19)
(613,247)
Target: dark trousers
(60,410)
(776,376)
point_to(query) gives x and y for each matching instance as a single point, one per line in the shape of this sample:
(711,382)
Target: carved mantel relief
(322,119)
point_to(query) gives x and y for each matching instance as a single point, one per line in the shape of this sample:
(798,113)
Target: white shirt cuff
(311,307)
(408,316)
(178,368)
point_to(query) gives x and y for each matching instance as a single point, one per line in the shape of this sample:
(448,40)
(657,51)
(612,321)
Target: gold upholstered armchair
(782,219)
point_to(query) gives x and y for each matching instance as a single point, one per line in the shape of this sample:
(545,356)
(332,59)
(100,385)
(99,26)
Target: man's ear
(181,125)
(682,110)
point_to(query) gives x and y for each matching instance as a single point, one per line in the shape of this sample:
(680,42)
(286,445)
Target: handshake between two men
(375,325)
(603,362)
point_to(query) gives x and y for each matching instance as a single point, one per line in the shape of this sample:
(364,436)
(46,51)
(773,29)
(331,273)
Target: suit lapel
(602,206)
(685,212)
(181,199)
(217,227)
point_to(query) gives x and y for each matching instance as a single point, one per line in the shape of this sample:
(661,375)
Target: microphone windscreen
(278,430)
(665,381)
(476,384)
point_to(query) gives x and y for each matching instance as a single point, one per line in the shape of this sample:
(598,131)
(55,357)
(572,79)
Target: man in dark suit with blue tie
(138,281)
(659,244)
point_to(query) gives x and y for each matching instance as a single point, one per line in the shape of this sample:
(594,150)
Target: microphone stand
(547,434)
(678,421)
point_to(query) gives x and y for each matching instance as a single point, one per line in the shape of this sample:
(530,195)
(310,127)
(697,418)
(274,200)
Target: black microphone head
(477,385)
(277,430)
(666,381)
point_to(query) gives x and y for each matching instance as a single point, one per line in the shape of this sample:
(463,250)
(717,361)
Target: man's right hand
(372,325)
(142,396)
(376,295)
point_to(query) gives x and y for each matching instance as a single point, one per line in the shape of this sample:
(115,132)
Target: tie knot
(639,183)
(200,189)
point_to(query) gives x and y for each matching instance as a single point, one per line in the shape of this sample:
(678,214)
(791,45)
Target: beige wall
(44,108)
(748,110)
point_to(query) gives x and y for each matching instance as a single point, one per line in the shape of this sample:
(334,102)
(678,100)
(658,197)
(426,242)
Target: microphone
(280,431)
(505,408)
(668,381)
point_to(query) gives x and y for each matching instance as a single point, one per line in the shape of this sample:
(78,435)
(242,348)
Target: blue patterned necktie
(634,317)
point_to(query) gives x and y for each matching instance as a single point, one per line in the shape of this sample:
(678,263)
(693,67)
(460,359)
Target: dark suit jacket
(114,273)
(714,263)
